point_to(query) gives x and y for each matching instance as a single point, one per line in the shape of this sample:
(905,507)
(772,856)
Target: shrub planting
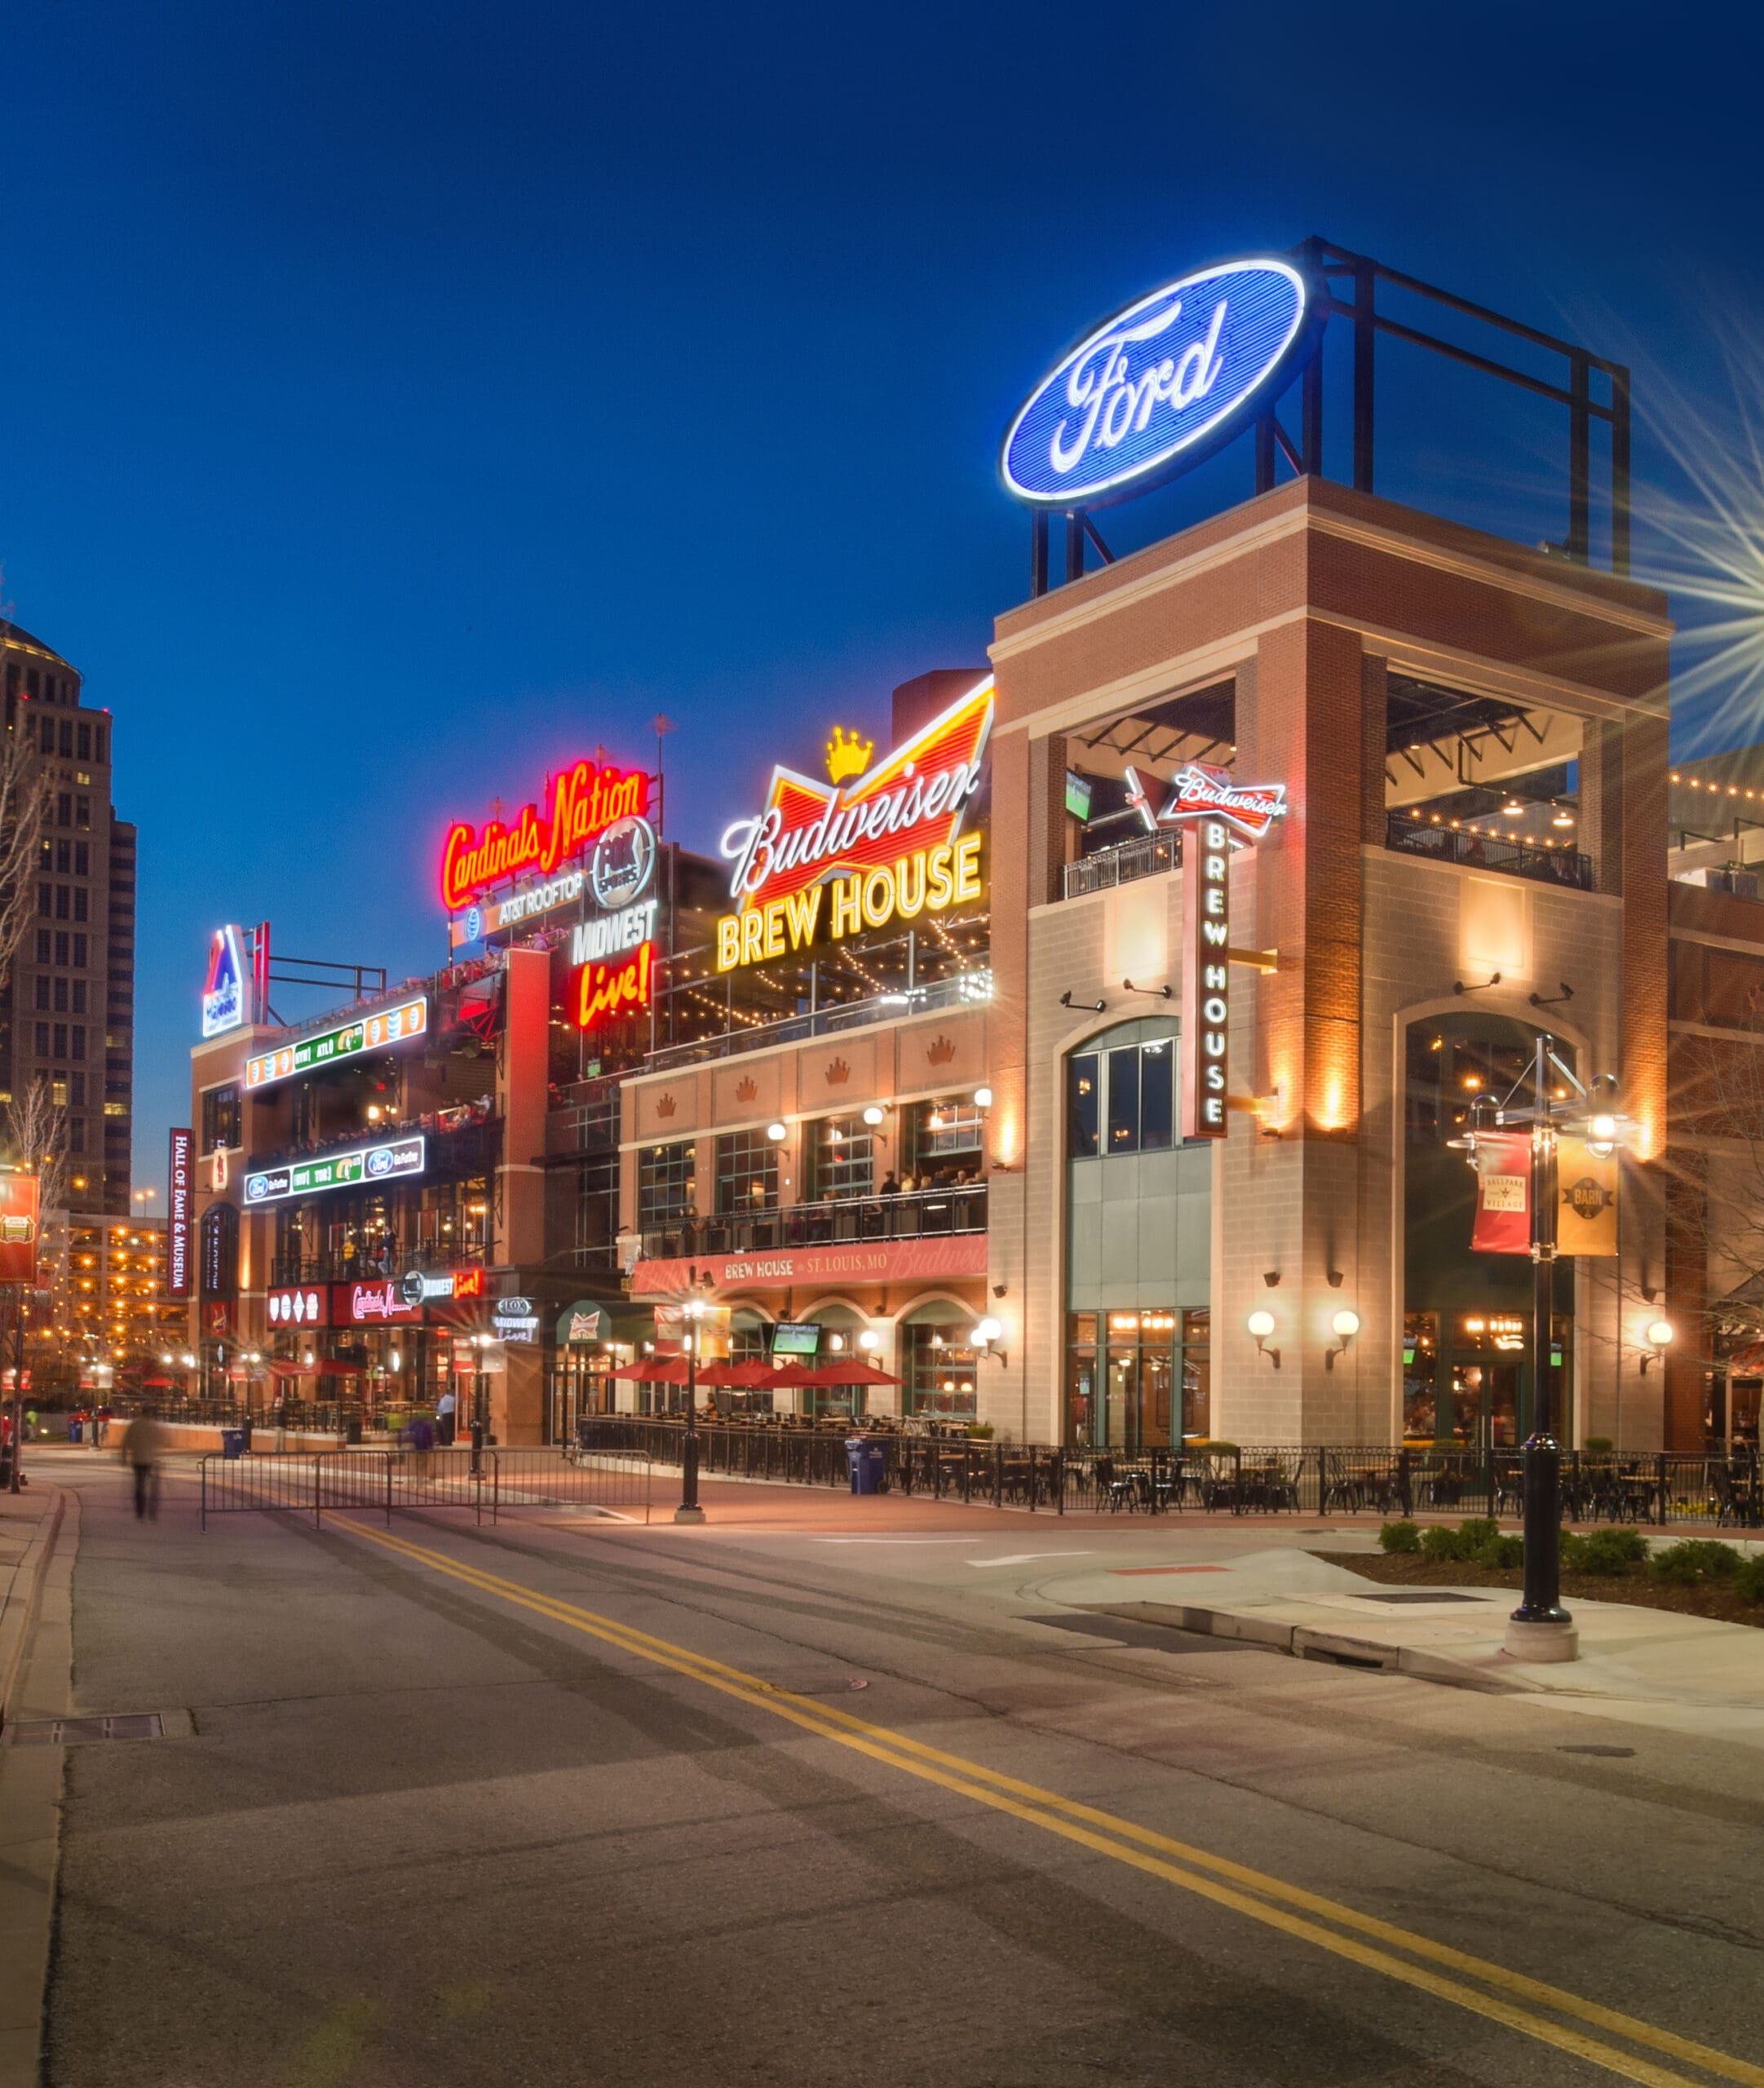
(1399,1537)
(1694,1562)
(1609,1552)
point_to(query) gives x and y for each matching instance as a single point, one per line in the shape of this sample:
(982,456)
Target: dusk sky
(398,401)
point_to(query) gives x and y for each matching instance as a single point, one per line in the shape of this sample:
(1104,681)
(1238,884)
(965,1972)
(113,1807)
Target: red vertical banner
(178,1188)
(18,1229)
(1206,997)
(1503,1193)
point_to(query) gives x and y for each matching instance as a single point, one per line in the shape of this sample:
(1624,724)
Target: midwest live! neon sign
(584,801)
(886,846)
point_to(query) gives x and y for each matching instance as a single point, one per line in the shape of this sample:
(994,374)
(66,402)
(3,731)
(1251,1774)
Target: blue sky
(396,401)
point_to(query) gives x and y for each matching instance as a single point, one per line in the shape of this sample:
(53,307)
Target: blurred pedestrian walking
(141,1447)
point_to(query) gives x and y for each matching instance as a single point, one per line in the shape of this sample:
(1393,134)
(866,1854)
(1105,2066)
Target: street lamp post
(689,1510)
(1541,1604)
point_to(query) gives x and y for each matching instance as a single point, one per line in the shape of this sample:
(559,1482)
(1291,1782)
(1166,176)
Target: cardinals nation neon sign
(586,799)
(885,846)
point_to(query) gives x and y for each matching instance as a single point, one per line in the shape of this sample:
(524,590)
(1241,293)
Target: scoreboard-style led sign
(886,847)
(372,1032)
(1161,385)
(586,799)
(390,1161)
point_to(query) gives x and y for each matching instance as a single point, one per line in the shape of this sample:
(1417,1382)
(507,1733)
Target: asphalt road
(559,1804)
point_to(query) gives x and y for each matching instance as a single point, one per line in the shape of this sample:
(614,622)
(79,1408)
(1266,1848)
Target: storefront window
(842,1159)
(747,1173)
(665,1184)
(940,1367)
(945,1131)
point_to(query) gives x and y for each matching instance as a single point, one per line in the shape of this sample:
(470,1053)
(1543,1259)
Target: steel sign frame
(1255,359)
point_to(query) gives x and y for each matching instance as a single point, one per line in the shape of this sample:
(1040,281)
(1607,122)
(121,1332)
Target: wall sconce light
(1261,1325)
(1345,1325)
(874,1115)
(836,1343)
(1658,1335)
(982,1098)
(1097,1007)
(869,1341)
(777,1133)
(988,1334)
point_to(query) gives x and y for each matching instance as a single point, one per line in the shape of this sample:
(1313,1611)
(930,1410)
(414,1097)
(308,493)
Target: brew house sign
(1160,385)
(882,843)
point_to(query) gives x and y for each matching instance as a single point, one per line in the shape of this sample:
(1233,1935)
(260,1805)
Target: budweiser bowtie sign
(1200,792)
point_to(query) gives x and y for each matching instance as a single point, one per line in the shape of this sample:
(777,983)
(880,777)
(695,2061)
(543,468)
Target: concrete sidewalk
(1652,1665)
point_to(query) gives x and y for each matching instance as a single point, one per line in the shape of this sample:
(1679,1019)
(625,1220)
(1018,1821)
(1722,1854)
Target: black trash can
(232,1442)
(352,1428)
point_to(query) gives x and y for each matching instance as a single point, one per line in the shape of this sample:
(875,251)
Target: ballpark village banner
(1503,1193)
(17,1229)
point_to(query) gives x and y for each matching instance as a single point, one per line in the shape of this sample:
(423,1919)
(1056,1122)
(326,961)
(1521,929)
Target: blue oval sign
(1151,392)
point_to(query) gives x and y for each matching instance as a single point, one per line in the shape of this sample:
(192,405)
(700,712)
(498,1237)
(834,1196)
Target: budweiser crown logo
(839,1073)
(666,1106)
(940,1051)
(748,1090)
(847,755)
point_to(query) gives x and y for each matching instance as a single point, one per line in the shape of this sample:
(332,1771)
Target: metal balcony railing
(1482,851)
(926,1213)
(1146,855)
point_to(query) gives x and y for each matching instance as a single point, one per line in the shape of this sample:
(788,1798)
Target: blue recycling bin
(867,1463)
(73,1431)
(232,1442)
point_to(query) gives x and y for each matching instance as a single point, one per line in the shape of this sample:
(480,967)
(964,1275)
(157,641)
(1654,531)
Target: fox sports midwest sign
(1160,385)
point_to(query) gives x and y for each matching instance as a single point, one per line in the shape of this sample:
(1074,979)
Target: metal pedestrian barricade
(616,1483)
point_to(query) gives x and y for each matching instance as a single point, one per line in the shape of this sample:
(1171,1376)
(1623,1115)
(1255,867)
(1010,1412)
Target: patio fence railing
(1657,1488)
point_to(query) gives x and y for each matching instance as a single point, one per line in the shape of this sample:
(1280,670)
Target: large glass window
(944,1133)
(1124,1100)
(940,1368)
(747,1173)
(665,1184)
(1083,1098)
(842,1158)
(220,1117)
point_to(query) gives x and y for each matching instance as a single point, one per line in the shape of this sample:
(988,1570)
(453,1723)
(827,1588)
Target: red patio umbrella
(653,1371)
(794,1377)
(854,1372)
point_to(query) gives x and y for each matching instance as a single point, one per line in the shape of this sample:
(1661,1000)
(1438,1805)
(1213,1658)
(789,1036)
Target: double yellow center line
(1499,1994)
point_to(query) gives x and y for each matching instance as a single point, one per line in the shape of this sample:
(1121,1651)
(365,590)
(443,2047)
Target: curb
(1303,1642)
(24,1598)
(37,1679)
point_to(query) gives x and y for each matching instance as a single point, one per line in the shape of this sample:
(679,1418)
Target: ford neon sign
(1160,385)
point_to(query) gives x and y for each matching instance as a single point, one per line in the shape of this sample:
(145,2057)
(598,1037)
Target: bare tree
(38,1129)
(23,796)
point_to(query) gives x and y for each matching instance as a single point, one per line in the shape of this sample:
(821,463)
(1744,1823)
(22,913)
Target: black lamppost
(1542,1602)
(689,1510)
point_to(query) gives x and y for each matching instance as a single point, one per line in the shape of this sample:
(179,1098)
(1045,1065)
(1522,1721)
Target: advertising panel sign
(1161,385)
(377,1304)
(585,800)
(880,1261)
(224,989)
(1206,997)
(392,1160)
(180,1184)
(19,1227)
(298,1305)
(373,1032)
(839,860)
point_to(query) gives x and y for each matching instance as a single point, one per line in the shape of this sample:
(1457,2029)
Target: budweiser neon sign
(584,801)
(898,826)
(1200,792)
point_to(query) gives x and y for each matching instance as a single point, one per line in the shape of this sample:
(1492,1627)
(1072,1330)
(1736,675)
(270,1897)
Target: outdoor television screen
(795,1338)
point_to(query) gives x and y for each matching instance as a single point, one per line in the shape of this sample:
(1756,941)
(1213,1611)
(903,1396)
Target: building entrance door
(1491,1398)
